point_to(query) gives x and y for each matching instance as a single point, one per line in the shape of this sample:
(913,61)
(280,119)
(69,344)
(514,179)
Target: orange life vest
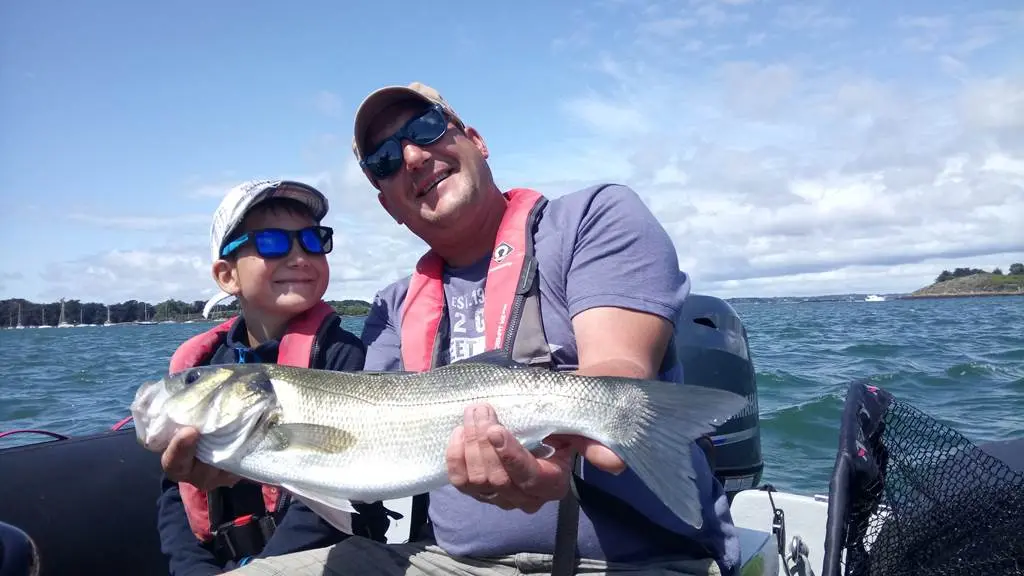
(295,349)
(512,323)
(512,319)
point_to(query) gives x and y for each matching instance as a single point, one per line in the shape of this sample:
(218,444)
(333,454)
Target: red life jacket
(512,319)
(295,349)
(512,323)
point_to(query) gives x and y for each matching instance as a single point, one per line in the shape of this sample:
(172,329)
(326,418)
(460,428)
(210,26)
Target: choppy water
(961,360)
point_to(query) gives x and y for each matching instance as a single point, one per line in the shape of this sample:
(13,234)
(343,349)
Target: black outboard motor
(711,343)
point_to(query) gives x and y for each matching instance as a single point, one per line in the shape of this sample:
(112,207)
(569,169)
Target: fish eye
(191,377)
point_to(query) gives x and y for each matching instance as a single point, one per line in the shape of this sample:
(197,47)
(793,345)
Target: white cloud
(329,104)
(779,173)
(369,249)
(217,190)
(140,222)
(786,150)
(118,275)
(6,278)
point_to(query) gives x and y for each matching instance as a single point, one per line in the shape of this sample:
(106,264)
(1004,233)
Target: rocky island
(965,282)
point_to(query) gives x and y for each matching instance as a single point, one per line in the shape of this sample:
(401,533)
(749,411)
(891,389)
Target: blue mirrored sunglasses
(277,242)
(422,130)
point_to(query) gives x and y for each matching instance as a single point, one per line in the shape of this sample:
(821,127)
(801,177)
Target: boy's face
(276,287)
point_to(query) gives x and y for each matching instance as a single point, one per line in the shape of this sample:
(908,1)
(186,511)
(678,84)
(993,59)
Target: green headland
(963,282)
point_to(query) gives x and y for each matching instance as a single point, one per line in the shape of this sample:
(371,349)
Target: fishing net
(911,496)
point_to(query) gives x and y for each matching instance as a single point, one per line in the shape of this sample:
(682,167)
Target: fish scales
(334,437)
(398,441)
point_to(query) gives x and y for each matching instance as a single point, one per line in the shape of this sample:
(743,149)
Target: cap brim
(374,104)
(304,193)
(217,299)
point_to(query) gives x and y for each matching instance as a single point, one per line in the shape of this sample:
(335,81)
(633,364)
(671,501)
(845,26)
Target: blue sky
(788,147)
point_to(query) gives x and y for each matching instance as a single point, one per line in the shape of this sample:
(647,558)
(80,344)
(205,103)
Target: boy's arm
(186,555)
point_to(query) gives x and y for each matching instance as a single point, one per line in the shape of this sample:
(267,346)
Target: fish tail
(668,420)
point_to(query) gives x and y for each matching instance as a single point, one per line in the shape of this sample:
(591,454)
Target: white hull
(805,519)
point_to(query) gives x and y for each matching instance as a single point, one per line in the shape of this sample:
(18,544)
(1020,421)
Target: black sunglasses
(277,242)
(422,130)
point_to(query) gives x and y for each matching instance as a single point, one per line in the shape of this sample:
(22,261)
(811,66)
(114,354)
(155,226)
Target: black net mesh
(912,496)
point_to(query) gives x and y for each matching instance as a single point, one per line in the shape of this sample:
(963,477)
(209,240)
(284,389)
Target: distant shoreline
(73,312)
(964,295)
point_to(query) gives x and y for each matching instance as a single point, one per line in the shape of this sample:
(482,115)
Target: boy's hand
(180,464)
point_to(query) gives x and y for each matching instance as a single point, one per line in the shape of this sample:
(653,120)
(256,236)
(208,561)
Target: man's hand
(180,464)
(486,462)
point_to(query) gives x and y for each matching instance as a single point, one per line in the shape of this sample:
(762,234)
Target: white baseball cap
(237,203)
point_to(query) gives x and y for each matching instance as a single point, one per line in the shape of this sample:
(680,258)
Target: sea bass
(336,437)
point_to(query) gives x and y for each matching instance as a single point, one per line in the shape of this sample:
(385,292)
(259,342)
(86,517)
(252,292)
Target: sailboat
(81,317)
(145,316)
(63,323)
(20,326)
(108,323)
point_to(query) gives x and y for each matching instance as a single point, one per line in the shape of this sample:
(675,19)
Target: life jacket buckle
(245,535)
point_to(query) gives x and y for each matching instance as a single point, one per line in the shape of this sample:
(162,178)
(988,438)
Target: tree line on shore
(18,310)
(1016,269)
(31,313)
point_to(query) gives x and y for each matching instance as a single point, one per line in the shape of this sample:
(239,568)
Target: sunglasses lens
(422,130)
(385,160)
(316,240)
(272,243)
(427,128)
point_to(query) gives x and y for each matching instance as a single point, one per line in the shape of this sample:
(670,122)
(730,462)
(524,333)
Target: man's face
(434,182)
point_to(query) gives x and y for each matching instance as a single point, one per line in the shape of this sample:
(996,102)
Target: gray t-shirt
(595,247)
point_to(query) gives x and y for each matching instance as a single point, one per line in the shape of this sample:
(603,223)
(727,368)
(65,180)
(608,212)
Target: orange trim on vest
(424,302)
(294,349)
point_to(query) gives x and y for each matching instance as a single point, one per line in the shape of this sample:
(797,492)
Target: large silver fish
(336,437)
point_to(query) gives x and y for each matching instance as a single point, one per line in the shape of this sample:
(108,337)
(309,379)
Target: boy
(269,251)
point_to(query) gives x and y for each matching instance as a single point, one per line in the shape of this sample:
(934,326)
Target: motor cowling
(711,343)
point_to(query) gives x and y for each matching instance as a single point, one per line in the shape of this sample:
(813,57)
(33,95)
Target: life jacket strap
(239,521)
(244,536)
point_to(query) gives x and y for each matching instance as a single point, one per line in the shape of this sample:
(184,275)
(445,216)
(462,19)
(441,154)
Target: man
(587,281)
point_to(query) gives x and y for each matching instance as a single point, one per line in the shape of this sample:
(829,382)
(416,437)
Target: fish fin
(670,419)
(493,357)
(387,373)
(534,443)
(320,496)
(313,437)
(336,511)
(542,451)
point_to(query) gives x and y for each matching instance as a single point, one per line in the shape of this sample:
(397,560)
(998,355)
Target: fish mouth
(153,428)
(159,414)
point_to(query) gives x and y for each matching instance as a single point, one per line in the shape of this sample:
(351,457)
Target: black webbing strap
(567,529)
(613,507)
